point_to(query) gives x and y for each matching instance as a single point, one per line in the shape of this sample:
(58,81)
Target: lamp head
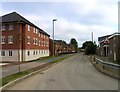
(54,19)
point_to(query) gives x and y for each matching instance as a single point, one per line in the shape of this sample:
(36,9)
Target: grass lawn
(12,77)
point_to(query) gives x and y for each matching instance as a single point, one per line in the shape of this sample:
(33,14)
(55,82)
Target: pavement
(12,68)
(74,73)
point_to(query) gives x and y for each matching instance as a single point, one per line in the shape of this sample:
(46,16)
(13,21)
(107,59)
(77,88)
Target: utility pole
(92,36)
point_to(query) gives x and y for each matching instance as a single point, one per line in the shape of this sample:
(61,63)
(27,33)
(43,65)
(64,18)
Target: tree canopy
(90,47)
(74,43)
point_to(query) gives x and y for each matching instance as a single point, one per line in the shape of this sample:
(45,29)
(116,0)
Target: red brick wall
(16,30)
(20,33)
(34,35)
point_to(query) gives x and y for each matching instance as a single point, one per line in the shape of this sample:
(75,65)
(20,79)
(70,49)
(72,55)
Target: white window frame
(33,52)
(36,52)
(28,53)
(36,41)
(2,39)
(28,27)
(39,34)
(33,40)
(34,30)
(10,39)
(28,39)
(41,43)
(10,53)
(10,26)
(2,53)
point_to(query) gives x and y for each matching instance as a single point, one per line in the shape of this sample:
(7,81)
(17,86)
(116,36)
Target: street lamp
(53,35)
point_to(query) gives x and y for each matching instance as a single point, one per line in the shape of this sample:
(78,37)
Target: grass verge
(12,77)
(59,60)
(7,79)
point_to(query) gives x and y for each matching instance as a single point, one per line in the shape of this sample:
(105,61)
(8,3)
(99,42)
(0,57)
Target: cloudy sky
(74,19)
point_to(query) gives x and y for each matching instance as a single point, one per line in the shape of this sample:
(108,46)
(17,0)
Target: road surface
(74,73)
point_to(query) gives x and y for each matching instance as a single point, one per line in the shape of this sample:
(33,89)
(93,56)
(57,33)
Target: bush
(90,48)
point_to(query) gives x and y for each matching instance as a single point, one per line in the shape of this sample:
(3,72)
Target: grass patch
(12,77)
(61,59)
(47,57)
(15,76)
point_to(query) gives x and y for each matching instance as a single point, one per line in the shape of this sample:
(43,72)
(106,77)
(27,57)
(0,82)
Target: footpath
(12,68)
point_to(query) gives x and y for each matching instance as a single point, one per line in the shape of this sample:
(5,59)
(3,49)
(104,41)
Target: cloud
(74,20)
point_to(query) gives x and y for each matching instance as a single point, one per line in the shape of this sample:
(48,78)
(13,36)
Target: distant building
(60,47)
(21,40)
(113,46)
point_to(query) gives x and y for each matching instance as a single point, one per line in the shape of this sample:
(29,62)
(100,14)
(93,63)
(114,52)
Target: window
(3,27)
(10,39)
(36,41)
(44,43)
(36,52)
(33,52)
(28,39)
(28,27)
(2,53)
(34,30)
(2,39)
(10,53)
(47,44)
(33,40)
(42,51)
(11,27)
(44,36)
(39,34)
(28,53)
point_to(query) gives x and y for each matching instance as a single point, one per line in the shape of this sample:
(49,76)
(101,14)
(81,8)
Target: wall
(20,33)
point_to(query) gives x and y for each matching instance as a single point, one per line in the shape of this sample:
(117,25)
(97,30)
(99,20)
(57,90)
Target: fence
(107,67)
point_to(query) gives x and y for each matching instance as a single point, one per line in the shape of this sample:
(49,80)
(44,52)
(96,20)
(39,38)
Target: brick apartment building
(57,48)
(113,47)
(60,47)
(21,40)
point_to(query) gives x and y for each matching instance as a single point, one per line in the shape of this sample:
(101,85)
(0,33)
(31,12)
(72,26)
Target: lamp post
(53,35)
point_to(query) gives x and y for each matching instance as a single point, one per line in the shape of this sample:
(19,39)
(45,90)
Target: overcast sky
(74,19)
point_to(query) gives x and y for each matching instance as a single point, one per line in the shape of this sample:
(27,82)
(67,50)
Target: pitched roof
(15,17)
(101,39)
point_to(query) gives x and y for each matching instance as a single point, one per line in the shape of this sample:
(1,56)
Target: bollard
(94,59)
(103,67)
(96,62)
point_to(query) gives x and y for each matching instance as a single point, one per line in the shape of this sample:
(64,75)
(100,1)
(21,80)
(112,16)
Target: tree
(74,43)
(90,47)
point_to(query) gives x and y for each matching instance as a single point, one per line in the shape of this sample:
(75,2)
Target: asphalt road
(74,73)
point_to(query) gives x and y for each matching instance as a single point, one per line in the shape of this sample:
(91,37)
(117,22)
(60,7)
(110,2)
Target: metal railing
(112,65)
